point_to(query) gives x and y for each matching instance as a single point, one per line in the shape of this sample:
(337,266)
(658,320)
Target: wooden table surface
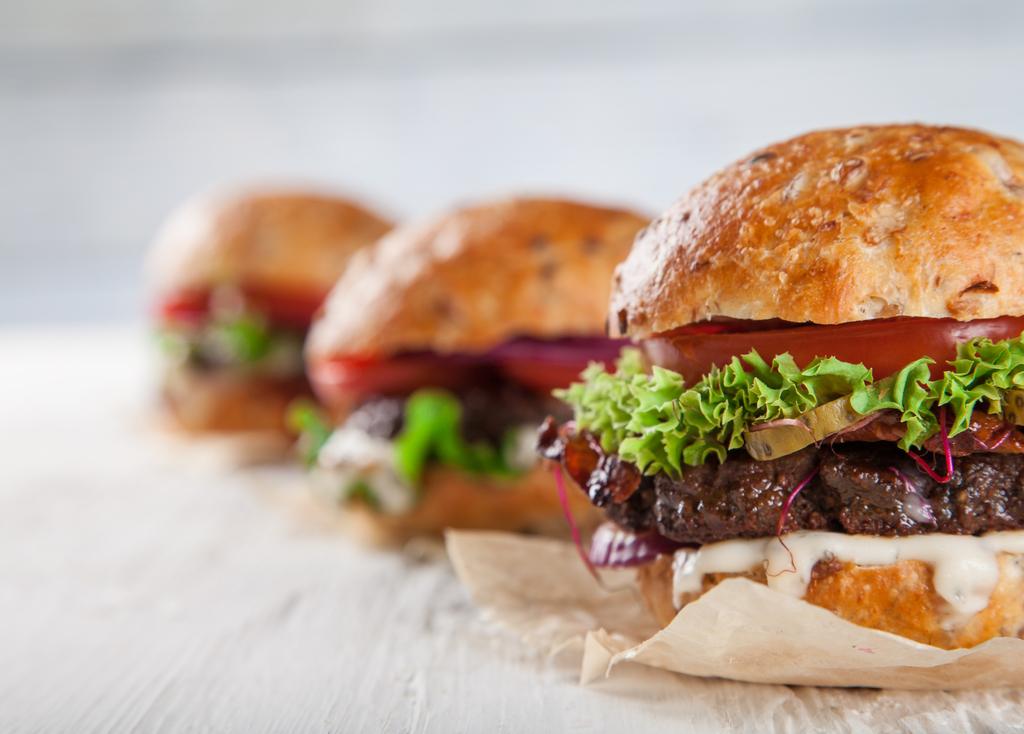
(149,587)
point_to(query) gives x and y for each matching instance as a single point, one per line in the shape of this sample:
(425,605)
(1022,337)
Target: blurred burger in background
(828,386)
(436,356)
(236,282)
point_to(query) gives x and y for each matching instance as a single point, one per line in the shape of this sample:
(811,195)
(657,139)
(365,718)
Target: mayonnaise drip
(352,455)
(965,567)
(521,452)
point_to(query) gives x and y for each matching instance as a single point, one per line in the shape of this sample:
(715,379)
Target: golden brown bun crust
(837,226)
(224,403)
(475,277)
(898,598)
(454,499)
(291,241)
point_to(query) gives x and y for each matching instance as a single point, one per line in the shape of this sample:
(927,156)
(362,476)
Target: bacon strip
(987,433)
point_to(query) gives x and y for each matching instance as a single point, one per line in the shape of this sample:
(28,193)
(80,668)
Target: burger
(826,386)
(237,280)
(436,356)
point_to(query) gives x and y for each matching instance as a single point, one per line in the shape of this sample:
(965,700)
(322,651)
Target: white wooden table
(146,588)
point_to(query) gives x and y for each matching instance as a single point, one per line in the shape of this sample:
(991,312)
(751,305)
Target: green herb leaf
(432,432)
(312,426)
(247,338)
(361,491)
(244,341)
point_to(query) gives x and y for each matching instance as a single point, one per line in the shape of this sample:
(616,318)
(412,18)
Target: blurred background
(112,111)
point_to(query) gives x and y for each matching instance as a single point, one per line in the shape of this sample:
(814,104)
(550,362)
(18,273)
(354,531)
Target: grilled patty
(488,412)
(859,487)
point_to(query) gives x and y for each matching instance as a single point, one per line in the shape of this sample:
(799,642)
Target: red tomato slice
(281,307)
(543,378)
(884,345)
(337,380)
(544,366)
(538,365)
(184,306)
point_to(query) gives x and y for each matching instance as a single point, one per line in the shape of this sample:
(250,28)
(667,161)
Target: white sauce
(522,450)
(351,455)
(965,567)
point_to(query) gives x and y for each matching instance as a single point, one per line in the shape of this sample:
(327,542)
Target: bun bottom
(224,402)
(899,598)
(454,499)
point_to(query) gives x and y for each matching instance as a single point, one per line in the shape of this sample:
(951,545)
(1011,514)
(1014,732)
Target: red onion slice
(568,350)
(613,547)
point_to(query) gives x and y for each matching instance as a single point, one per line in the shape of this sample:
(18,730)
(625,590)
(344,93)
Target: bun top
(478,276)
(837,226)
(276,240)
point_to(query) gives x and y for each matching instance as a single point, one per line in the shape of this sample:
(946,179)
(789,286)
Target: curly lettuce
(244,341)
(655,421)
(432,431)
(312,426)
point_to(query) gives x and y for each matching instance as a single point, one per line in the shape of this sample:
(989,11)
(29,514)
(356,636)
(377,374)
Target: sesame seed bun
(477,276)
(838,226)
(274,240)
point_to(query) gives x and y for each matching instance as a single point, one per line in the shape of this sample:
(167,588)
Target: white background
(112,111)
(141,589)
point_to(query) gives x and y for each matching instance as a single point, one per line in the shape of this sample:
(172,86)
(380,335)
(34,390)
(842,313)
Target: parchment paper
(739,630)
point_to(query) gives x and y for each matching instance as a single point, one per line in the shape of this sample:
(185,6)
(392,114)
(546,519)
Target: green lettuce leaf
(246,338)
(658,423)
(361,491)
(312,427)
(432,432)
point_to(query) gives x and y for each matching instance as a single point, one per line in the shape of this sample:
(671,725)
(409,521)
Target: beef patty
(869,488)
(488,412)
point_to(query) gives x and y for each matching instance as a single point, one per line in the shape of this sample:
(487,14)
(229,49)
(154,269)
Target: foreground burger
(437,354)
(827,387)
(237,281)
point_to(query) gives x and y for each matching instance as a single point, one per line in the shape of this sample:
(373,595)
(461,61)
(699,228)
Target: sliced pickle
(771,443)
(1013,407)
(813,426)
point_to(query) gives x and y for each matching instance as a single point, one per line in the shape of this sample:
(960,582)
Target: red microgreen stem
(785,512)
(946,449)
(574,530)
(789,501)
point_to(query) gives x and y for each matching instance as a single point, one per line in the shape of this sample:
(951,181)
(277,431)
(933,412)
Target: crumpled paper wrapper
(741,630)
